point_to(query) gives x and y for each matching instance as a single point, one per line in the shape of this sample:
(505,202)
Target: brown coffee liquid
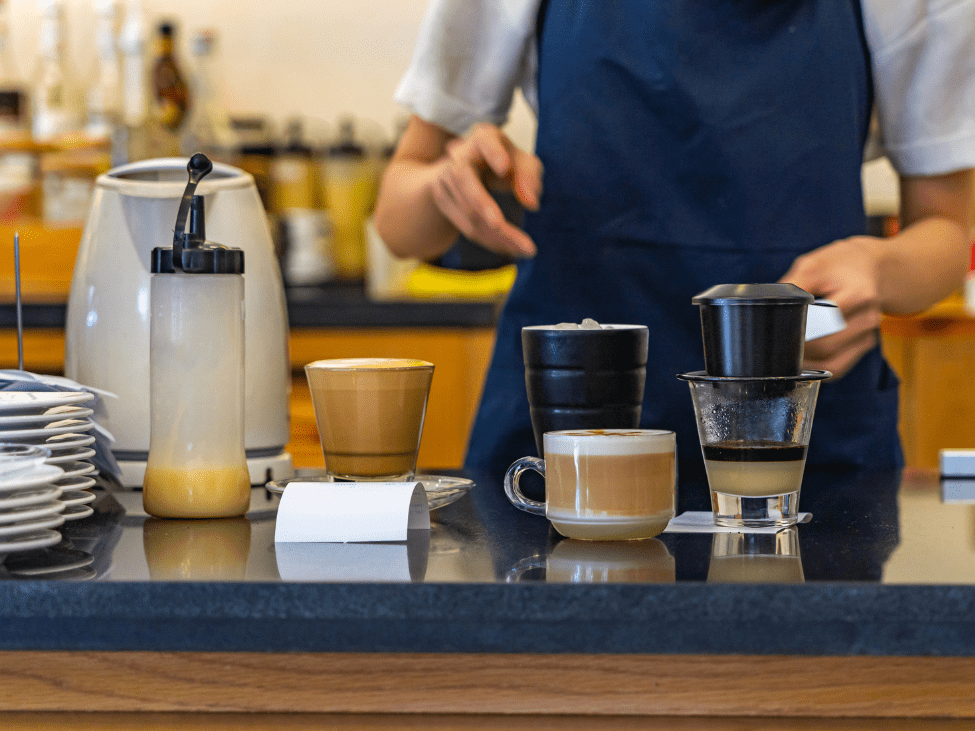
(754,468)
(218,492)
(370,420)
(610,484)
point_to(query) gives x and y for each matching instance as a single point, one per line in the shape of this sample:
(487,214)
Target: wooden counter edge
(410,683)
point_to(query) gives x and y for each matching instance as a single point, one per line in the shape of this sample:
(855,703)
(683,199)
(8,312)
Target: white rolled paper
(345,512)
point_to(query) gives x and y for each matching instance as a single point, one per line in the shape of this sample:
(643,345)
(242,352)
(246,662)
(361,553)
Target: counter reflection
(591,562)
(756,558)
(197,550)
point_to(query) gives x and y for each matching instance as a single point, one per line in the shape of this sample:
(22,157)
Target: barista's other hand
(486,157)
(845,271)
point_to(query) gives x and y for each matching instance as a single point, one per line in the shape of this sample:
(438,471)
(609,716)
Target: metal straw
(20,317)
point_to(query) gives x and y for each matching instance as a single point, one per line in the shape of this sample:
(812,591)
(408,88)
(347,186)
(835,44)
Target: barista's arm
(868,276)
(436,187)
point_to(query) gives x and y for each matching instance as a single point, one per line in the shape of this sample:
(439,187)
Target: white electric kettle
(107,330)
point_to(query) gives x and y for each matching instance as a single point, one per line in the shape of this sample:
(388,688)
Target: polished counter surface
(884,567)
(330,305)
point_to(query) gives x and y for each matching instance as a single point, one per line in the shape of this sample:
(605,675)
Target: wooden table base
(499,691)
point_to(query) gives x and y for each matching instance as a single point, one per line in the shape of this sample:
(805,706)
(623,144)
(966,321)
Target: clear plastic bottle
(197,466)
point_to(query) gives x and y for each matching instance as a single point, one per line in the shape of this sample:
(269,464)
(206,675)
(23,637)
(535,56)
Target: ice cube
(566,326)
(589,324)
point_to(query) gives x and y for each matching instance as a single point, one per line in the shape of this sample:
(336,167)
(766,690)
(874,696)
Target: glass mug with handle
(603,484)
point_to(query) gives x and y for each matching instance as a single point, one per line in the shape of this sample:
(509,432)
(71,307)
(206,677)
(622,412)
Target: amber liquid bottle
(170,94)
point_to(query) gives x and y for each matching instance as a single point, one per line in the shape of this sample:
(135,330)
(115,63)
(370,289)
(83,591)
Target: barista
(718,143)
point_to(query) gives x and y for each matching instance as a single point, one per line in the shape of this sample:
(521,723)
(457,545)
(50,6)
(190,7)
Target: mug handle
(512,489)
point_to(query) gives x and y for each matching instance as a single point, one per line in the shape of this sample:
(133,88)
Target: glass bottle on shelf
(104,94)
(208,128)
(51,117)
(170,94)
(348,197)
(13,94)
(135,94)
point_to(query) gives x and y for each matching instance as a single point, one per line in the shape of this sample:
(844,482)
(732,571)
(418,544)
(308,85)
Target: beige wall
(316,58)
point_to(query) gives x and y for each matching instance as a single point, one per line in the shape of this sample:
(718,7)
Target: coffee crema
(616,482)
(754,468)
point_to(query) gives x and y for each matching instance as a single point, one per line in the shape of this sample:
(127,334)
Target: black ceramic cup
(590,378)
(753,330)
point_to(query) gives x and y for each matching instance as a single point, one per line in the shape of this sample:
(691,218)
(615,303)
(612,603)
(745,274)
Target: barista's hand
(846,272)
(487,158)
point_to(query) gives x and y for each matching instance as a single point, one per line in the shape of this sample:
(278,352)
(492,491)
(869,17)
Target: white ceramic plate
(441,490)
(73,468)
(30,496)
(72,456)
(40,401)
(43,475)
(38,539)
(31,526)
(77,512)
(25,421)
(30,512)
(76,483)
(40,436)
(62,442)
(77,497)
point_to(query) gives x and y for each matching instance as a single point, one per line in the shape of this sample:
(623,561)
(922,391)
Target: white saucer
(441,490)
(32,526)
(24,421)
(74,468)
(30,496)
(74,455)
(77,512)
(80,482)
(30,512)
(39,436)
(39,539)
(43,475)
(39,401)
(62,442)
(77,497)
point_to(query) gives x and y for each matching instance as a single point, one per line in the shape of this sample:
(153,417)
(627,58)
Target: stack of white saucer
(45,475)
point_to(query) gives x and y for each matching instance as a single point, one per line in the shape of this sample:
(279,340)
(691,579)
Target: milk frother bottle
(197,465)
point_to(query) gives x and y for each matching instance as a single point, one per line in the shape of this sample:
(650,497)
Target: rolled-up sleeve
(923,55)
(470,57)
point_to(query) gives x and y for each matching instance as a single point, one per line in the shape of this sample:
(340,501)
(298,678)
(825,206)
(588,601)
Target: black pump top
(191,252)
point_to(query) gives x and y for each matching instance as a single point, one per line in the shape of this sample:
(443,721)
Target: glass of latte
(370,414)
(603,484)
(754,433)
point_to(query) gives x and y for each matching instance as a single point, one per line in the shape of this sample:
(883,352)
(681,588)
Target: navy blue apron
(687,144)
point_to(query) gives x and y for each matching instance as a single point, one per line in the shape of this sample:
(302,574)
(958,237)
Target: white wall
(316,58)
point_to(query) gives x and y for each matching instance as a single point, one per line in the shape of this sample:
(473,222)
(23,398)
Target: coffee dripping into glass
(753,402)
(197,466)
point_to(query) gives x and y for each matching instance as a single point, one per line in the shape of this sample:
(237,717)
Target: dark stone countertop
(330,305)
(883,568)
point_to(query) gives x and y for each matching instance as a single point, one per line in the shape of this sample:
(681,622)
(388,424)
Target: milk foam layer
(369,363)
(610,442)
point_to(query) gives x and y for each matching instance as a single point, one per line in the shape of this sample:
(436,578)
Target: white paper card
(702,521)
(342,512)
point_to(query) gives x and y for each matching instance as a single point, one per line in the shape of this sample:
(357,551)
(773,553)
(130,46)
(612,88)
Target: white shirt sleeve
(923,54)
(470,57)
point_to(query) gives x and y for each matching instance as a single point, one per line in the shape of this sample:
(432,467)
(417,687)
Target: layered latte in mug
(609,484)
